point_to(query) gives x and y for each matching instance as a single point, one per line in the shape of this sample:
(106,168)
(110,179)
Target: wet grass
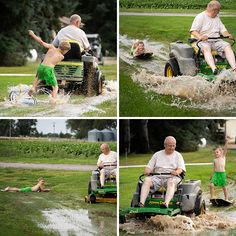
(129,176)
(109,107)
(22,212)
(135,101)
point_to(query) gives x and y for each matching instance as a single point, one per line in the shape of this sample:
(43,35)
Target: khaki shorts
(161,181)
(217,45)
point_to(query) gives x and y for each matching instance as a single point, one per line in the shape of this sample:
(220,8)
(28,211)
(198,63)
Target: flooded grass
(45,213)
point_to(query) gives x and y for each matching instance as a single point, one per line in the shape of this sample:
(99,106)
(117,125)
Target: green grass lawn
(22,212)
(129,176)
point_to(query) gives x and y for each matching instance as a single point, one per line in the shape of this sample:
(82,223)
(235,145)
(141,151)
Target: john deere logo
(65,70)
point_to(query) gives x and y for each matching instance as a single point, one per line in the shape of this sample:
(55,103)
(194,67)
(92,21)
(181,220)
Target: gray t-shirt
(163,163)
(205,25)
(72,32)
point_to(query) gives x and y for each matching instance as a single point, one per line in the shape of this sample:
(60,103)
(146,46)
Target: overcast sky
(48,125)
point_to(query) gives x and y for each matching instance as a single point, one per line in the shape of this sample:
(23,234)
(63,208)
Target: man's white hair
(75,18)
(213,5)
(168,138)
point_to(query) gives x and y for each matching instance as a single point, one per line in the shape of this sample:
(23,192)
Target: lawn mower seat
(75,53)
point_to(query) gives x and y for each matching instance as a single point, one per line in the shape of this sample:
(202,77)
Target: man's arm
(227,34)
(178,171)
(147,171)
(198,36)
(39,40)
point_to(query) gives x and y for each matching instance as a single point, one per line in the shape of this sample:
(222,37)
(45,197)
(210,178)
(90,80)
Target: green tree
(7,127)
(26,127)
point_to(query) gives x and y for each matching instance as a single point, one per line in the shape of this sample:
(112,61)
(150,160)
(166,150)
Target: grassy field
(164,30)
(109,108)
(129,176)
(45,151)
(21,213)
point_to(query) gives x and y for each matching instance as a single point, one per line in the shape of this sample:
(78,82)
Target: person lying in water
(39,187)
(138,48)
(45,71)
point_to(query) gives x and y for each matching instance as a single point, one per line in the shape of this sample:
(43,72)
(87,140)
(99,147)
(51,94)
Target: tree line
(143,136)
(28,127)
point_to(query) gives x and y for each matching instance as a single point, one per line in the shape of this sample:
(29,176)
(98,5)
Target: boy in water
(137,48)
(39,187)
(219,175)
(45,70)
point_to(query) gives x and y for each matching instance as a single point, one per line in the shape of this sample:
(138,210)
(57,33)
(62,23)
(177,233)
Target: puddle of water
(65,105)
(195,92)
(68,221)
(209,224)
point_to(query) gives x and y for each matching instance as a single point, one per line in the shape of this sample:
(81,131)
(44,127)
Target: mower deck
(150,211)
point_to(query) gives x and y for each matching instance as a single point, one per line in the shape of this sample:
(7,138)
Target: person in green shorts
(39,187)
(45,70)
(218,177)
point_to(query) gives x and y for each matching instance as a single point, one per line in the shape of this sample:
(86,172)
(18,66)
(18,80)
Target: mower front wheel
(200,206)
(92,198)
(171,68)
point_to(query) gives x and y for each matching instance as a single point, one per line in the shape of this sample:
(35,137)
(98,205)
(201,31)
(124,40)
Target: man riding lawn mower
(208,56)
(187,199)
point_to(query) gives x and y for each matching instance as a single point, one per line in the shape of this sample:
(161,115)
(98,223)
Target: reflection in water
(68,221)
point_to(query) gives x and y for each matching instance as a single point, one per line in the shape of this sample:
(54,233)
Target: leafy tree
(7,127)
(26,127)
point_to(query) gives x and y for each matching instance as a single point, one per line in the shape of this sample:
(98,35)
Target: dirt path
(48,166)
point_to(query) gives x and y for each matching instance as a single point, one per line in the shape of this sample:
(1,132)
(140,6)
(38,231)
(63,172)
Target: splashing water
(179,225)
(193,92)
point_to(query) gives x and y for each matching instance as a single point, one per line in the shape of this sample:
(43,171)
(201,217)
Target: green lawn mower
(187,199)
(96,193)
(79,73)
(186,60)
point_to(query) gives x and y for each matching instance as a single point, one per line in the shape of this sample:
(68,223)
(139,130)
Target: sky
(51,125)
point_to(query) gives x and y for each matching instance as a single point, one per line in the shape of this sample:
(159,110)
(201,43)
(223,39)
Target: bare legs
(147,184)
(229,54)
(102,177)
(11,189)
(225,190)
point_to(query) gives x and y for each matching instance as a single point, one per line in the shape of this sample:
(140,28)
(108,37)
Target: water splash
(193,92)
(179,225)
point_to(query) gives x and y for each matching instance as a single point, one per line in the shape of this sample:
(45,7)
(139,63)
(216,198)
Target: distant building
(104,135)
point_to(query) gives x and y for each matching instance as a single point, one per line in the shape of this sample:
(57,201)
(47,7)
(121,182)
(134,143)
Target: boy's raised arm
(39,40)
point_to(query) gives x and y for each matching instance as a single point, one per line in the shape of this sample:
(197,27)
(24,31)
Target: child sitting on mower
(208,25)
(39,187)
(164,161)
(45,70)
(107,163)
(218,177)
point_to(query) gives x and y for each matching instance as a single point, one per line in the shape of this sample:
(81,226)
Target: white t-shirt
(72,32)
(163,163)
(205,25)
(109,159)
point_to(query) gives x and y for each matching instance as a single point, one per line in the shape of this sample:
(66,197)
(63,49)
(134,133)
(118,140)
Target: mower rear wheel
(171,68)
(89,188)
(200,206)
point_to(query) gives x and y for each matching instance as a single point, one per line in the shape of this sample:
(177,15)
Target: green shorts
(26,190)
(47,73)
(219,179)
